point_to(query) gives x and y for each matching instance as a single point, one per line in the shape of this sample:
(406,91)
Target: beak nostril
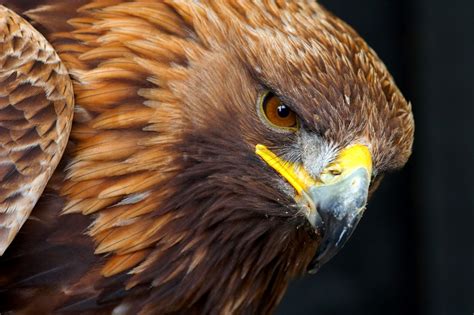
(335,172)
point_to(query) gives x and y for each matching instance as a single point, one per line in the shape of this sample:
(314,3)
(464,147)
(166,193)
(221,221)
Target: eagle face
(296,124)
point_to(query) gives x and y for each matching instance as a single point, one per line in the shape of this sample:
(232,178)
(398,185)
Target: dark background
(413,252)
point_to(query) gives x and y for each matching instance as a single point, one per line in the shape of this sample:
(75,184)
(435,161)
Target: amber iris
(277,113)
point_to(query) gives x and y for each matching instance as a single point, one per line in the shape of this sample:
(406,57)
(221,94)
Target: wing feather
(36,109)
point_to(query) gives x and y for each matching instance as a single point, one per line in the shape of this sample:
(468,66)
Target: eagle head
(287,120)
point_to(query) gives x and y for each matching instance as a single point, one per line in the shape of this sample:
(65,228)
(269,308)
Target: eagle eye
(276,113)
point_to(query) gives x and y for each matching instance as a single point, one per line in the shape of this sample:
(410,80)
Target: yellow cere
(349,159)
(355,156)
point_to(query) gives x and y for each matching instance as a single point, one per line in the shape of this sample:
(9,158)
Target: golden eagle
(183,156)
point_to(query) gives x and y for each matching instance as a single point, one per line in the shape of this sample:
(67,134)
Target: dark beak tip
(334,238)
(314,269)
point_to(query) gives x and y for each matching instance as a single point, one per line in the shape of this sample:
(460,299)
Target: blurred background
(413,252)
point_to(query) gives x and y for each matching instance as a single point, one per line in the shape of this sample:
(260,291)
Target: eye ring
(277,114)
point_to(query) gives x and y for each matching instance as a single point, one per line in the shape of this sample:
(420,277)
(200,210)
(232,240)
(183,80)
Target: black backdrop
(413,251)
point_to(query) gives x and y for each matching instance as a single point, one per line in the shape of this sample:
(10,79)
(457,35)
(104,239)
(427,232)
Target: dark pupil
(283,111)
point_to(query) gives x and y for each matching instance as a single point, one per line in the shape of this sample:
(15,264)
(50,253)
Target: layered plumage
(160,204)
(36,116)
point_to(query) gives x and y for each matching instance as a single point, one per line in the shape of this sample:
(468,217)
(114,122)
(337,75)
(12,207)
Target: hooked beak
(335,201)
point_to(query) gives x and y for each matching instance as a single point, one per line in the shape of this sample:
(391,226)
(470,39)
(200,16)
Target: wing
(36,109)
